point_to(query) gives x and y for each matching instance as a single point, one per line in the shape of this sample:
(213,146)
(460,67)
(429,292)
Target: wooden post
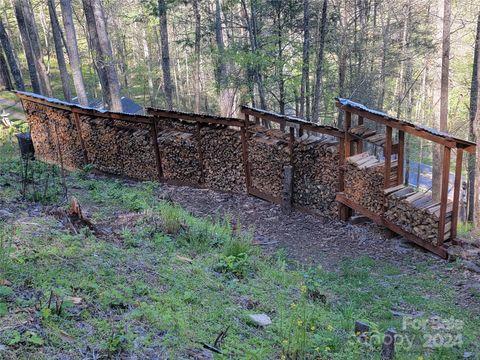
(346,127)
(456,193)
(360,142)
(80,137)
(400,156)
(444,195)
(156,149)
(343,210)
(388,348)
(388,158)
(244,137)
(291,143)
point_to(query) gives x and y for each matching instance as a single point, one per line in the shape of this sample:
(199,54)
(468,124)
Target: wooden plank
(388,158)
(456,192)
(209,119)
(257,193)
(444,194)
(438,250)
(400,156)
(283,119)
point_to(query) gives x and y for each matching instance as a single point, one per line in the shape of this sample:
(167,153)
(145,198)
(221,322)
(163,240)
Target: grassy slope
(138,298)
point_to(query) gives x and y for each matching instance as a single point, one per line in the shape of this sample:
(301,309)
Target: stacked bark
(268,153)
(316,171)
(416,212)
(364,181)
(50,126)
(179,152)
(223,167)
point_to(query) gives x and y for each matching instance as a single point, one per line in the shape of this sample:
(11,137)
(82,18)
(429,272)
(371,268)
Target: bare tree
(305,82)
(5,81)
(72,50)
(319,71)
(107,56)
(167,78)
(477,166)
(196,14)
(28,19)
(440,90)
(11,58)
(474,97)
(27,47)
(58,42)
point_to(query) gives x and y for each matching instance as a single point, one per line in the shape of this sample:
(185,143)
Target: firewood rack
(353,144)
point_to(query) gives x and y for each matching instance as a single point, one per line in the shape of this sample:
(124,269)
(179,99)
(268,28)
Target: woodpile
(50,126)
(179,152)
(136,152)
(364,183)
(316,170)
(416,212)
(101,141)
(223,166)
(268,153)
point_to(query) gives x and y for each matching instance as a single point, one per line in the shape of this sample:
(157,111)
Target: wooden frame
(447,141)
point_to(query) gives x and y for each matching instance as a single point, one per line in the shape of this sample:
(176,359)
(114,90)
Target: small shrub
(234,264)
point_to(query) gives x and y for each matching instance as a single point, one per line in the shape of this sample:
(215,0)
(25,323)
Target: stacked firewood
(268,154)
(316,170)
(50,126)
(223,166)
(101,142)
(179,152)
(42,132)
(416,212)
(364,181)
(137,152)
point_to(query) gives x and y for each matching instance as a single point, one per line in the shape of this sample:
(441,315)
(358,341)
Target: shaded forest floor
(165,270)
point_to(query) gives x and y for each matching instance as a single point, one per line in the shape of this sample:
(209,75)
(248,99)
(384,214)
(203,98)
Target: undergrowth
(163,283)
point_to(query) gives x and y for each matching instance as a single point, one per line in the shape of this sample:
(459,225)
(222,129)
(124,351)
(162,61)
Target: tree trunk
(96,51)
(474,96)
(57,39)
(72,51)
(167,78)
(146,55)
(319,73)
(11,59)
(251,23)
(440,91)
(32,33)
(32,67)
(196,13)
(304,84)
(5,81)
(107,56)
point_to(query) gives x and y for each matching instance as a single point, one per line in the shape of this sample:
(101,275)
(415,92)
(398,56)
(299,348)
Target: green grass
(164,282)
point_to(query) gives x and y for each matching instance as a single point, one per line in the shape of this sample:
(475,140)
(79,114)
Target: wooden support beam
(444,195)
(360,142)
(287,189)
(76,118)
(291,143)
(388,158)
(400,156)
(347,124)
(456,192)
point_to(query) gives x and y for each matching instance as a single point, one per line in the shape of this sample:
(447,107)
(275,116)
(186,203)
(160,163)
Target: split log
(416,212)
